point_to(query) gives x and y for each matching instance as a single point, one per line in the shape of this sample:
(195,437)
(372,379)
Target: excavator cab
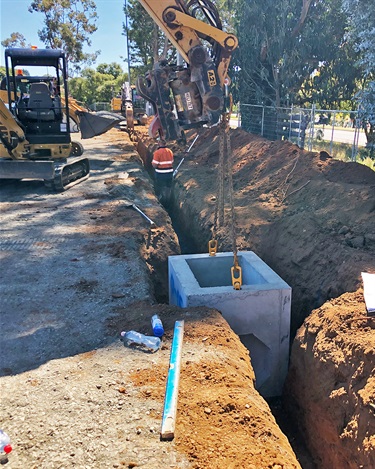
(35,100)
(36,116)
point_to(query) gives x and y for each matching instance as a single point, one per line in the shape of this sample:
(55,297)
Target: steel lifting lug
(212,247)
(236,280)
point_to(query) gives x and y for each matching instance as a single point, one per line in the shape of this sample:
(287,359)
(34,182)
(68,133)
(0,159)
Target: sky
(14,17)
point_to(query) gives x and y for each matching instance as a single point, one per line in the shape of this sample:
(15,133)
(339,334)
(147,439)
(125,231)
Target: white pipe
(173,380)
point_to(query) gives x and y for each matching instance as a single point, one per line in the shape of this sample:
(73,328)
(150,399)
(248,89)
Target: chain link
(225,167)
(219,205)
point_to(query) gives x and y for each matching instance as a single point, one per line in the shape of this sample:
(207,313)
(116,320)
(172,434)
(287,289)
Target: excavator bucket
(93,124)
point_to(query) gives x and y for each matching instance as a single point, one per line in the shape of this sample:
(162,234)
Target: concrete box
(259,313)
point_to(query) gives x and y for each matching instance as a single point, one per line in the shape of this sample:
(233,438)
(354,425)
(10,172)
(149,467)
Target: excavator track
(68,174)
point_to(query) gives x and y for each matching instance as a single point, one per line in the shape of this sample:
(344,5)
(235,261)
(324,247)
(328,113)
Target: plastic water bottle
(157,326)
(141,340)
(5,446)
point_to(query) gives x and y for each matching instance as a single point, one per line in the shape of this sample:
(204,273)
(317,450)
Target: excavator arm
(186,32)
(196,93)
(12,135)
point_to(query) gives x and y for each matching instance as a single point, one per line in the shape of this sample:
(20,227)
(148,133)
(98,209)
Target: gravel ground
(84,411)
(77,268)
(56,268)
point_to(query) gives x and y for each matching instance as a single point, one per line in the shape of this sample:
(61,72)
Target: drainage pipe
(173,380)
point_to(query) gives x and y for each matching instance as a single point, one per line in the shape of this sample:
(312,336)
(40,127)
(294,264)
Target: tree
(68,25)
(336,79)
(97,85)
(147,43)
(362,29)
(287,43)
(143,37)
(113,69)
(15,40)
(272,61)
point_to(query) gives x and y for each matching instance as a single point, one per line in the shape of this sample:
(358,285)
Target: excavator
(190,96)
(131,106)
(36,115)
(194,95)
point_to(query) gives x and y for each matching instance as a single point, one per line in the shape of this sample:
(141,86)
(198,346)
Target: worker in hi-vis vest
(163,164)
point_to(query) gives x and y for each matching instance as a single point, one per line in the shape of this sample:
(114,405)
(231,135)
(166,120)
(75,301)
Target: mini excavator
(36,115)
(131,106)
(189,96)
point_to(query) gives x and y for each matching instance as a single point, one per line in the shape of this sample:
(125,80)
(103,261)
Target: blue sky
(14,17)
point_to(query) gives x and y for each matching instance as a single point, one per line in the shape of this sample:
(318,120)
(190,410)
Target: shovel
(131,205)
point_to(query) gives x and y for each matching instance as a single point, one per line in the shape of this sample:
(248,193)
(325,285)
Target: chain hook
(212,247)
(236,272)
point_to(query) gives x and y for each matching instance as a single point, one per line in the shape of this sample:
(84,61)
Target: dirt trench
(85,266)
(311,218)
(81,274)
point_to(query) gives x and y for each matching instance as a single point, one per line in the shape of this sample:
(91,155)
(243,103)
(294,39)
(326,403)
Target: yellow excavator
(36,119)
(131,106)
(191,95)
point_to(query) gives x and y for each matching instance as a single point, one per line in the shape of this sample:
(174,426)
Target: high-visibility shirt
(163,158)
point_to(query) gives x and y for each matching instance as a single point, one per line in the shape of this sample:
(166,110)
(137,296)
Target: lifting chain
(225,168)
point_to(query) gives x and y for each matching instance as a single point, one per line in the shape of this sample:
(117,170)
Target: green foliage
(362,30)
(68,25)
(285,45)
(141,36)
(2,72)
(15,40)
(147,43)
(113,69)
(97,85)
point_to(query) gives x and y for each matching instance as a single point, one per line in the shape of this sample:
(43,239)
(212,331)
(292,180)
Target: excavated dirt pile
(331,383)
(78,268)
(311,218)
(85,265)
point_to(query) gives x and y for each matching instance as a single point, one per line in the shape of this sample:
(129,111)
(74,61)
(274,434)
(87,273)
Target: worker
(163,164)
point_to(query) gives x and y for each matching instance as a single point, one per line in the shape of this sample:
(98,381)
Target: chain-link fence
(100,107)
(340,133)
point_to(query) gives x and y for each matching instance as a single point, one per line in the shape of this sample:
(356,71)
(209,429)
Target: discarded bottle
(5,446)
(157,326)
(142,341)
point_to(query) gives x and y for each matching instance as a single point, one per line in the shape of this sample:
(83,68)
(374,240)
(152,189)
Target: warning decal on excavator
(189,102)
(211,78)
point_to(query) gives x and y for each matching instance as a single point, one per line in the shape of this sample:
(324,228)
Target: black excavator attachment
(94,124)
(197,95)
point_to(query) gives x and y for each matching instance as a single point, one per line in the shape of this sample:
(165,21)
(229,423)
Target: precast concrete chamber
(259,313)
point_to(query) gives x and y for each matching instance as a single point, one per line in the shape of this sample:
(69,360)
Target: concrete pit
(259,313)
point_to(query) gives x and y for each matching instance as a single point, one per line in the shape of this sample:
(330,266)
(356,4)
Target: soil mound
(311,218)
(331,383)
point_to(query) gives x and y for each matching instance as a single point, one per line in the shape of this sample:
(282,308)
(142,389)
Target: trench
(190,240)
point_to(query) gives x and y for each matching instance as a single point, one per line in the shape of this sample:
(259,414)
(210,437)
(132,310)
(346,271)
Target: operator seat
(40,105)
